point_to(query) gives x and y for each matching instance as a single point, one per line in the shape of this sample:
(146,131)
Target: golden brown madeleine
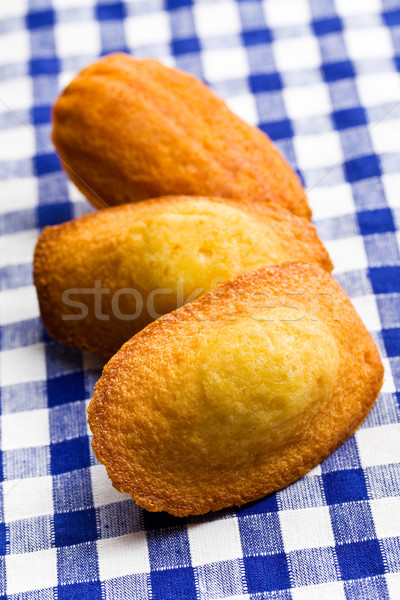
(129,129)
(104,276)
(237,394)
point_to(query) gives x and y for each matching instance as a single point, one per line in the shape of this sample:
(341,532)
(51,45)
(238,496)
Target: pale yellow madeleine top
(190,247)
(232,393)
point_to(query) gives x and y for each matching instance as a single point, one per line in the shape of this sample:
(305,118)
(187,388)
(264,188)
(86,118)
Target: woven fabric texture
(321,78)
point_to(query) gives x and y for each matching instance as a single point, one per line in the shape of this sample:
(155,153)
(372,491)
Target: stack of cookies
(238,363)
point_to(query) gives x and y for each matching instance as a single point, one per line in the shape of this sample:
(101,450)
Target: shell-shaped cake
(104,276)
(237,394)
(128,129)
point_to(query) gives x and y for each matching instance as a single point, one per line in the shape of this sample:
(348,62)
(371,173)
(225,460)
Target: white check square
(307,101)
(16,94)
(25,429)
(331,202)
(386,136)
(18,194)
(391,186)
(225,63)
(347,254)
(393,584)
(18,304)
(144,30)
(317,151)
(217,18)
(306,528)
(17,248)
(286,13)
(64,79)
(17,8)
(346,8)
(386,514)
(74,194)
(17,143)
(315,472)
(28,497)
(388,382)
(124,555)
(297,53)
(371,42)
(245,107)
(78,38)
(31,571)
(378,88)
(379,445)
(368,311)
(65,4)
(214,541)
(23,365)
(14,46)
(102,489)
(326,591)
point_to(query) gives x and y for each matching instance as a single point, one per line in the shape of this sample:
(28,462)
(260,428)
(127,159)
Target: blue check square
(360,559)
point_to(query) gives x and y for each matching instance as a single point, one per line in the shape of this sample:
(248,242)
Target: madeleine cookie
(129,129)
(104,276)
(237,394)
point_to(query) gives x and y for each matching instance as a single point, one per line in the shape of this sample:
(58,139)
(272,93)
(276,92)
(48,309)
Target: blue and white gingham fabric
(320,77)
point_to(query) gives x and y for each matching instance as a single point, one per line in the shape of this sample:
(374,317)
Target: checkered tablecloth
(320,78)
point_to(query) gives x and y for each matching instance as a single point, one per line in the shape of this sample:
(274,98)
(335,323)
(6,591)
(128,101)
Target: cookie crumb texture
(231,397)
(128,129)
